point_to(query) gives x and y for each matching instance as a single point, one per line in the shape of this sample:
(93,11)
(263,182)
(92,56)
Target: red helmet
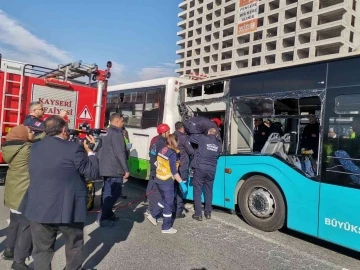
(217,121)
(162,128)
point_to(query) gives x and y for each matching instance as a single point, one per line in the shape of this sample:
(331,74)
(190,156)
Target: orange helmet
(217,121)
(162,128)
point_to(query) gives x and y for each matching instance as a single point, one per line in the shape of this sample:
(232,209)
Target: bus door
(339,214)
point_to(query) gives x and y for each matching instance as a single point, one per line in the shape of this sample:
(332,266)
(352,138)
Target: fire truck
(78,88)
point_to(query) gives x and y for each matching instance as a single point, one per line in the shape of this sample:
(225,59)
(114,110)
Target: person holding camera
(113,169)
(56,199)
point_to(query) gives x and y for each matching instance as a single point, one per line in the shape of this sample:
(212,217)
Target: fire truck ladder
(68,72)
(5,95)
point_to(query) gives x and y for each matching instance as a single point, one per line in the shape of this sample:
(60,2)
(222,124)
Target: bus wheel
(262,204)
(91,196)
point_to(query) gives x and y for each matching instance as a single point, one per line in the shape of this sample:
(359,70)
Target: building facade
(225,36)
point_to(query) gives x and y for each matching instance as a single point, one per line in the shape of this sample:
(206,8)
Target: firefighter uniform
(204,167)
(167,166)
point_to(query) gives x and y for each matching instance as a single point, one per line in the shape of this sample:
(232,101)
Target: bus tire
(91,196)
(262,204)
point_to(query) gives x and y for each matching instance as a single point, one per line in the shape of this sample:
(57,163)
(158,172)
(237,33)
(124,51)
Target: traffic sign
(85,114)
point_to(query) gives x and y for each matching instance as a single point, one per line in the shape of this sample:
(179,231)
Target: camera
(84,129)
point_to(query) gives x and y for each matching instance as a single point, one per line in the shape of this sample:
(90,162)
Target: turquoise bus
(316,193)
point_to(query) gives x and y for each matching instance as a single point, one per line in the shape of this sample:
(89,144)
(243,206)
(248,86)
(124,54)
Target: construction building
(224,36)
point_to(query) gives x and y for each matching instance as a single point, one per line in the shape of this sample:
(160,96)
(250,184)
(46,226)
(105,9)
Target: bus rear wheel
(262,204)
(91,196)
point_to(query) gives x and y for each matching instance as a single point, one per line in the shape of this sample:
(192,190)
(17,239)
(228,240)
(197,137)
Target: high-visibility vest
(163,169)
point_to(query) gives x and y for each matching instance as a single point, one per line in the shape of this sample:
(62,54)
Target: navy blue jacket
(186,150)
(34,122)
(57,192)
(157,143)
(207,153)
(199,125)
(113,153)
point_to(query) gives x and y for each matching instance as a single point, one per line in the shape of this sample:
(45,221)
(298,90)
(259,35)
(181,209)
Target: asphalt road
(224,242)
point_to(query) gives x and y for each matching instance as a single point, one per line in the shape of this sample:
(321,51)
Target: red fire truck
(58,89)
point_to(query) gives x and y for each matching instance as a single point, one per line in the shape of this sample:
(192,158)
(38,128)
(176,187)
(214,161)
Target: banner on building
(248,16)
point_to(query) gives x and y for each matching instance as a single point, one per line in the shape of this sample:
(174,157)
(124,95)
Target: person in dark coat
(204,168)
(310,136)
(56,199)
(186,151)
(275,126)
(113,169)
(261,134)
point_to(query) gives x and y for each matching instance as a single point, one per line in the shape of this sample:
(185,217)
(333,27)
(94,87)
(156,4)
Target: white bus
(145,105)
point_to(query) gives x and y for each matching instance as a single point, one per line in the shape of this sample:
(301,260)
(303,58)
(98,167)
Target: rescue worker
(16,151)
(166,172)
(157,143)
(186,150)
(310,136)
(222,126)
(201,125)
(261,134)
(275,126)
(204,168)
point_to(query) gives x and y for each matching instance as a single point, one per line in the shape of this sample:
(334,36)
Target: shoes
(208,216)
(105,223)
(124,197)
(181,215)
(8,254)
(198,218)
(152,219)
(19,266)
(114,217)
(159,220)
(170,231)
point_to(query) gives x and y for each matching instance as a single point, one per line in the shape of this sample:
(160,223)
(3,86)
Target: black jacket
(261,134)
(207,153)
(57,192)
(186,150)
(112,154)
(310,138)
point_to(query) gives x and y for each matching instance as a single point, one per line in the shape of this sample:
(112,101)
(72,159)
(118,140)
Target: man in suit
(57,194)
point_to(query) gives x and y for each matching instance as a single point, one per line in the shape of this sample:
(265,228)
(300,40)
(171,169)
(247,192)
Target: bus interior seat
(286,140)
(348,165)
(272,144)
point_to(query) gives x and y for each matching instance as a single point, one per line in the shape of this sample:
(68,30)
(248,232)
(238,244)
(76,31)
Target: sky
(138,36)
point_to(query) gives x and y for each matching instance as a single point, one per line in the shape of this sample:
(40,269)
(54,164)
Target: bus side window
(150,115)
(341,148)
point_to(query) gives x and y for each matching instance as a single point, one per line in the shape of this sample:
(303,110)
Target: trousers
(19,237)
(110,194)
(154,197)
(44,238)
(203,180)
(166,204)
(179,198)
